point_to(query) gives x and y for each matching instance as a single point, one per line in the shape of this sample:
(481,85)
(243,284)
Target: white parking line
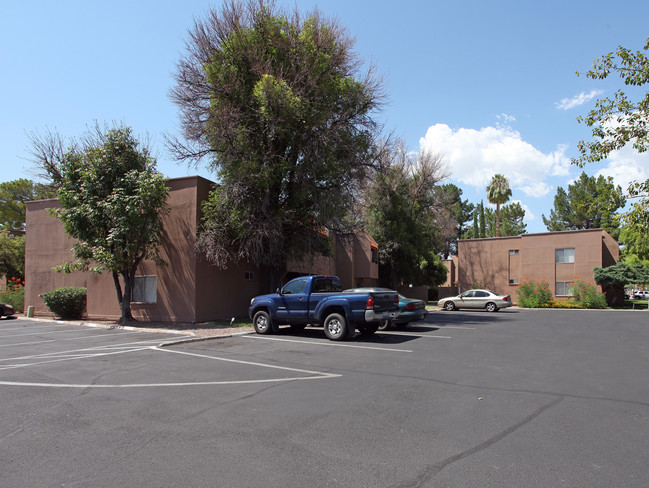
(87,352)
(67,357)
(45,333)
(27,343)
(315,375)
(331,344)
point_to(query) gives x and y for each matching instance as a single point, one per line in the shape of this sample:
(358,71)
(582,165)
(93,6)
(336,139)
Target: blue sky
(491,85)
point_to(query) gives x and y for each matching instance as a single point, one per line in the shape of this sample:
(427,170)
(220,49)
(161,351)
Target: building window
(375,254)
(513,252)
(249,276)
(566,255)
(145,289)
(513,281)
(563,288)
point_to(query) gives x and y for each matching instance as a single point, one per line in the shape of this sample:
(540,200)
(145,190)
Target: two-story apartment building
(556,257)
(188,289)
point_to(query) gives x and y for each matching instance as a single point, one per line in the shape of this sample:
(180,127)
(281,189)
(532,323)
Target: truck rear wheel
(261,322)
(335,327)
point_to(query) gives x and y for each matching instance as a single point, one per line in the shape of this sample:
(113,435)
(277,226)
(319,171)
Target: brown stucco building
(557,257)
(188,289)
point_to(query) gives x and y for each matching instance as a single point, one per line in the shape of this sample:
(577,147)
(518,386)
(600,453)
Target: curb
(193,338)
(106,326)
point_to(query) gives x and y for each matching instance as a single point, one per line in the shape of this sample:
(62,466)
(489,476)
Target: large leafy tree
(402,216)
(498,193)
(112,200)
(278,106)
(12,255)
(13,195)
(634,224)
(618,122)
(589,203)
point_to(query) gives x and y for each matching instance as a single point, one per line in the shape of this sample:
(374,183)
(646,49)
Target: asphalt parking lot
(465,399)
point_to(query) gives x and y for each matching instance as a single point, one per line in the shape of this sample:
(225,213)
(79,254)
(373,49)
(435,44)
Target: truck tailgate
(385,300)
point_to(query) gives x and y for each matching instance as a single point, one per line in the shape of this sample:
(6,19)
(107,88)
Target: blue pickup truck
(319,300)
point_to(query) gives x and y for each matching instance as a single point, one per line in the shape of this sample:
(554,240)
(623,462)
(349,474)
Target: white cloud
(474,156)
(506,118)
(627,165)
(583,97)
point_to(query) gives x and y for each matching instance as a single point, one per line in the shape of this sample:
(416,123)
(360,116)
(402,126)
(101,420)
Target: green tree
(482,221)
(589,203)
(402,210)
(498,193)
(112,200)
(620,275)
(12,255)
(475,230)
(279,106)
(634,224)
(453,213)
(13,195)
(620,120)
(511,220)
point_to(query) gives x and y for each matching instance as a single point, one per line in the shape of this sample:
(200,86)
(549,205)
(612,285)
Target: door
(294,303)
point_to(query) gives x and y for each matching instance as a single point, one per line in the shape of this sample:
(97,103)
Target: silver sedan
(487,299)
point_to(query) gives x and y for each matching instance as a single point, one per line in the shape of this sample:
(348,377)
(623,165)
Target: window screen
(566,255)
(145,289)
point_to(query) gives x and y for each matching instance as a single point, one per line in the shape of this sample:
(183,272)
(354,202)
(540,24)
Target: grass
(628,305)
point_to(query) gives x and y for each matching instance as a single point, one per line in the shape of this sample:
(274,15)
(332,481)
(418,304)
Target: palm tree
(498,192)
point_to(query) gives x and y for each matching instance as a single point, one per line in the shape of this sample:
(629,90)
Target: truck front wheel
(261,323)
(335,327)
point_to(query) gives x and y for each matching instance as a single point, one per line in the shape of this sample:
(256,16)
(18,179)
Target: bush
(14,295)
(563,304)
(533,294)
(587,296)
(67,302)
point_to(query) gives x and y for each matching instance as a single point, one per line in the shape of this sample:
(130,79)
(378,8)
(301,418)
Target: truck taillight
(370,303)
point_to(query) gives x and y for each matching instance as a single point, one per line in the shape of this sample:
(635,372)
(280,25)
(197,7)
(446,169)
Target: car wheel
(335,327)
(368,330)
(450,306)
(385,325)
(261,323)
(491,307)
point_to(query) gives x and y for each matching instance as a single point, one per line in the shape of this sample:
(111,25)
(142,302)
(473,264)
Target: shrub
(533,294)
(563,304)
(67,302)
(14,295)
(587,296)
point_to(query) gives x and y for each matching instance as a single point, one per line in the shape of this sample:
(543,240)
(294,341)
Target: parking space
(516,398)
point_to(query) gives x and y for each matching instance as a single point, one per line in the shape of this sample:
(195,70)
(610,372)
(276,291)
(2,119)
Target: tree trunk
(497,219)
(126,299)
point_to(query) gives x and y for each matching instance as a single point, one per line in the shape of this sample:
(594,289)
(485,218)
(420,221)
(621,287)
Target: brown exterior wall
(189,289)
(502,262)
